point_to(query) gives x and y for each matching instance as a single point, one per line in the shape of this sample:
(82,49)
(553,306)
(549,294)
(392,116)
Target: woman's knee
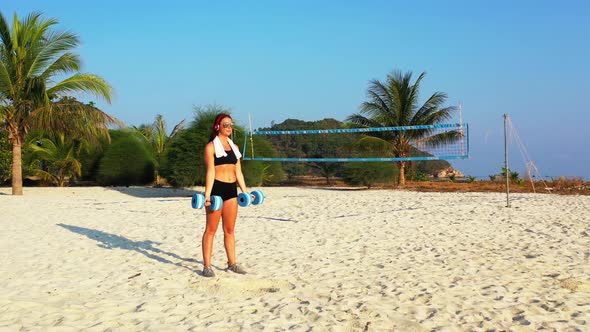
(210,230)
(209,234)
(228,230)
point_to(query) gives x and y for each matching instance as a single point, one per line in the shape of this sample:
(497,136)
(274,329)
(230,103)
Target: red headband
(218,120)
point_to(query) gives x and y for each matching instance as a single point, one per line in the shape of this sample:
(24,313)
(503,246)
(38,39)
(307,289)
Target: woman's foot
(236,268)
(208,272)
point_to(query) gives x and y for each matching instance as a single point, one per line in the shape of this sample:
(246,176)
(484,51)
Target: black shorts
(226,190)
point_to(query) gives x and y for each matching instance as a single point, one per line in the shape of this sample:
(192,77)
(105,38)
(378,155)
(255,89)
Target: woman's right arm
(210,175)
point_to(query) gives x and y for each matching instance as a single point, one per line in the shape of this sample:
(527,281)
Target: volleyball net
(423,142)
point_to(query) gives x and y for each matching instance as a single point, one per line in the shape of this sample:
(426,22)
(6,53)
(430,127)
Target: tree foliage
(59,158)
(5,157)
(370,173)
(185,165)
(340,146)
(394,103)
(258,173)
(38,69)
(308,146)
(155,134)
(127,161)
(90,158)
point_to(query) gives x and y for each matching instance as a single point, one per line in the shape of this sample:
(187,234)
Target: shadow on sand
(149,192)
(147,248)
(337,188)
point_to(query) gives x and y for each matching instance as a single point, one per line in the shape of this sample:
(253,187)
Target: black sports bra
(229,159)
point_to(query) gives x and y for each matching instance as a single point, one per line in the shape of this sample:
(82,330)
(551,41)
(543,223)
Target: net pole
(506,170)
(461,128)
(251,139)
(245,143)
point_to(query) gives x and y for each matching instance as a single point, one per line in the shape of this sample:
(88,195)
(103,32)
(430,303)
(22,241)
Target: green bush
(370,173)
(127,161)
(256,172)
(5,157)
(417,175)
(184,164)
(308,146)
(90,160)
(513,176)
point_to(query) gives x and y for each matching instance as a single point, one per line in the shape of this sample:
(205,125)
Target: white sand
(130,259)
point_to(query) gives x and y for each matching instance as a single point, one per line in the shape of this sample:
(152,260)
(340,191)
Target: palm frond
(52,47)
(5,36)
(144,131)
(85,83)
(371,144)
(160,136)
(179,126)
(44,148)
(5,82)
(44,176)
(59,154)
(380,101)
(432,105)
(440,139)
(360,120)
(440,115)
(6,48)
(65,64)
(74,118)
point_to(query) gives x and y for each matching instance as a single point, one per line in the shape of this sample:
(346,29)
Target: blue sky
(312,60)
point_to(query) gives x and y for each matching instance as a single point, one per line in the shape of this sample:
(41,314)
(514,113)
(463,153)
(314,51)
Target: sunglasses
(228,125)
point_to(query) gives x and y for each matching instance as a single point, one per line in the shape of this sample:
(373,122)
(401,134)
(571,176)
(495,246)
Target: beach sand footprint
(576,284)
(231,287)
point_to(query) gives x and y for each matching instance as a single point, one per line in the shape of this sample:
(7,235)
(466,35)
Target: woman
(224,174)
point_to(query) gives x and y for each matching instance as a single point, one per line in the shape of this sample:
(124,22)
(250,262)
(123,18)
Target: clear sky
(311,60)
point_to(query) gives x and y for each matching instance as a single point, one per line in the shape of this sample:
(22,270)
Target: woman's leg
(209,234)
(229,213)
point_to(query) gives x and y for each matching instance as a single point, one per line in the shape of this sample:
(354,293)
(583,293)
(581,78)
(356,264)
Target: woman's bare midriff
(225,173)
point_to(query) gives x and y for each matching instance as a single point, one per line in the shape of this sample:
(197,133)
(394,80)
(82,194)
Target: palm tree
(159,140)
(394,103)
(60,154)
(33,59)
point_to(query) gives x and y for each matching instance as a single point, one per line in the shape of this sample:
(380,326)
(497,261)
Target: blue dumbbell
(245,199)
(258,197)
(198,202)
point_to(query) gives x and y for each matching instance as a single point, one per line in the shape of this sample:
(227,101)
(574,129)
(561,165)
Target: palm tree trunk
(402,173)
(17,167)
